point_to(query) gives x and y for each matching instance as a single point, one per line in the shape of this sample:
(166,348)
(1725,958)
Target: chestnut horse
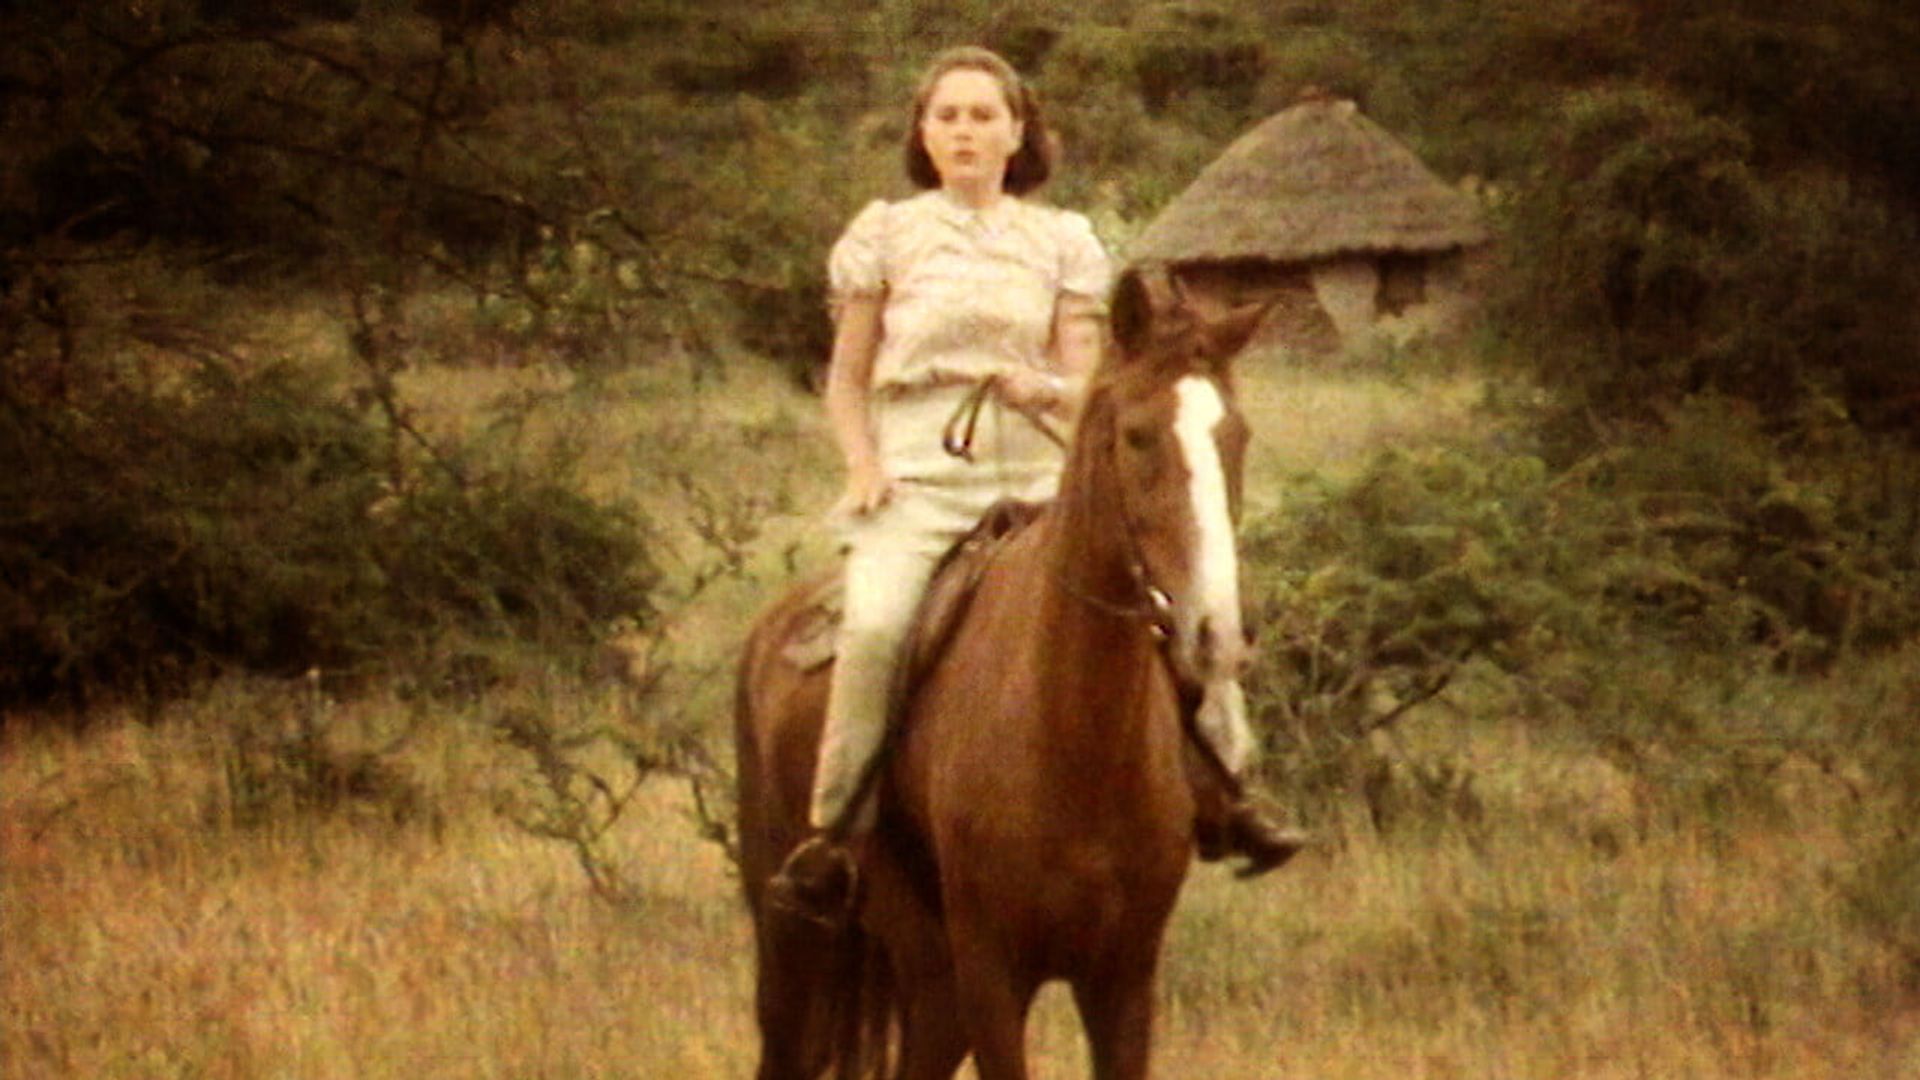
(1035,817)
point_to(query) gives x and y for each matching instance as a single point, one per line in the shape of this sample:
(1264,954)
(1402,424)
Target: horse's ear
(1130,312)
(1179,297)
(1229,333)
(1139,297)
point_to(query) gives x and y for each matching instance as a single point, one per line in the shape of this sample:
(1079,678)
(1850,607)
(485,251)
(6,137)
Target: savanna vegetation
(405,403)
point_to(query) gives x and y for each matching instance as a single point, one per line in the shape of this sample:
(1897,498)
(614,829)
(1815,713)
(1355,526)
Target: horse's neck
(1091,556)
(1092,624)
(1089,543)
(1105,726)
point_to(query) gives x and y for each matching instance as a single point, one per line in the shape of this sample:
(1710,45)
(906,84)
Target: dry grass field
(159,919)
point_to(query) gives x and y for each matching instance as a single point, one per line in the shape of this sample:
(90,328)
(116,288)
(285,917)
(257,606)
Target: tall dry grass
(146,939)
(162,917)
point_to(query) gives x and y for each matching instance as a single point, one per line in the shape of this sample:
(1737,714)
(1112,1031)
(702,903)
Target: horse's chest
(1079,906)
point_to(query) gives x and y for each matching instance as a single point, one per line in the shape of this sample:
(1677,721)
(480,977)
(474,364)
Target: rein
(1154,606)
(956,438)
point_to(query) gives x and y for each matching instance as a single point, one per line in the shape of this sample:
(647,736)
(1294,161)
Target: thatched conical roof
(1311,182)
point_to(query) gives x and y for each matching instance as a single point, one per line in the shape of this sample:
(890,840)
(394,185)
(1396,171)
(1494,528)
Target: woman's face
(969,130)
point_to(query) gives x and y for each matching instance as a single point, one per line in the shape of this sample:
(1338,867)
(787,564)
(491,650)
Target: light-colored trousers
(891,554)
(936,499)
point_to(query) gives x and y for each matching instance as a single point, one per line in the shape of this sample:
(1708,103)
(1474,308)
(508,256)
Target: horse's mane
(1089,462)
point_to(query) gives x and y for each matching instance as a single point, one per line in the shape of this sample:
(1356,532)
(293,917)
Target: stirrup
(1264,843)
(818,882)
(1249,833)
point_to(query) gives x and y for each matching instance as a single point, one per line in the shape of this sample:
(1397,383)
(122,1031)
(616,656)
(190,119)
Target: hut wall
(1297,323)
(1434,297)
(1230,284)
(1347,289)
(1450,301)
(1403,283)
(1456,282)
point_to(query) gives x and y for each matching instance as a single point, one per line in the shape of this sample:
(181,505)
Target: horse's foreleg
(995,1000)
(933,1039)
(1117,1012)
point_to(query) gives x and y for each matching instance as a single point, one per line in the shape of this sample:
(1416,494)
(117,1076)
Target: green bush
(1373,595)
(518,553)
(1721,537)
(234,517)
(200,512)
(1699,545)
(1653,258)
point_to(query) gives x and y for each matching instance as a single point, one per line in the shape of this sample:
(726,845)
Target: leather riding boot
(817,881)
(1247,830)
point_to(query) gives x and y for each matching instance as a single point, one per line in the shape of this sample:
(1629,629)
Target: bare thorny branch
(578,803)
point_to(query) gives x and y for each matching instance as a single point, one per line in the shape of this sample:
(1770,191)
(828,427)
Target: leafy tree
(1709,198)
(1689,269)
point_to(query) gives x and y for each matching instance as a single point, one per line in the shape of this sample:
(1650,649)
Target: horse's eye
(1140,437)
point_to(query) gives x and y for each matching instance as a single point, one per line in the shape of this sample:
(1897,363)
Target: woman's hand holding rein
(1032,391)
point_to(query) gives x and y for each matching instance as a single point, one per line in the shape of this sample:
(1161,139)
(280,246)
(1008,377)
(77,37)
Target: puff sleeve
(857,265)
(1084,267)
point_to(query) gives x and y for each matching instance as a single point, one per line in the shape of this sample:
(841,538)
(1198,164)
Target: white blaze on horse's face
(1208,642)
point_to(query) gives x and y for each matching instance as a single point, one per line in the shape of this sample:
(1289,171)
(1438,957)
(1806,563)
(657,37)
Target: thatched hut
(1324,210)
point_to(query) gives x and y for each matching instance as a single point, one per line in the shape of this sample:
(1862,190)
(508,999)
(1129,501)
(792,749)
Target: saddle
(949,594)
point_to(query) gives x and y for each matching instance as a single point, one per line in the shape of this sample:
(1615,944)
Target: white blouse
(969,293)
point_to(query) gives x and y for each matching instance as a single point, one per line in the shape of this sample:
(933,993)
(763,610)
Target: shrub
(1721,537)
(1652,258)
(209,524)
(1700,543)
(515,552)
(1373,595)
(287,755)
(207,513)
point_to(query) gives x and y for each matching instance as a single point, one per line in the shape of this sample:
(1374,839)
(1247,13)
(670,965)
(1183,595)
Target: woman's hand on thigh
(868,489)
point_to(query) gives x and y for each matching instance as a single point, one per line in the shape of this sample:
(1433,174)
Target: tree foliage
(1709,198)
(1690,268)
(241,515)
(1719,191)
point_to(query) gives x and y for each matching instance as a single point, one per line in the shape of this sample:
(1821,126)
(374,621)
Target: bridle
(1151,603)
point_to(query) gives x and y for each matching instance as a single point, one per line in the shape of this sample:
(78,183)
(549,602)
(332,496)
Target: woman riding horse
(966,289)
(1037,819)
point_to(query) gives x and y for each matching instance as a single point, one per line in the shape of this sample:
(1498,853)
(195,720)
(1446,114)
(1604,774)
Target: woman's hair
(1030,165)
